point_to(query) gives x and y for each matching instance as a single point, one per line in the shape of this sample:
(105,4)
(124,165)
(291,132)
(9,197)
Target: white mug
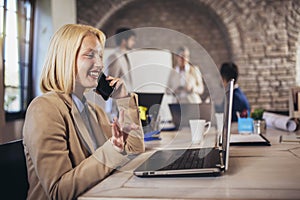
(197,129)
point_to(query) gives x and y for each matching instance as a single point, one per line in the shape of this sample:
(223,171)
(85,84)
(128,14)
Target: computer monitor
(152,102)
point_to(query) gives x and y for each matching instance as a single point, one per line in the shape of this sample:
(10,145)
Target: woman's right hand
(120,88)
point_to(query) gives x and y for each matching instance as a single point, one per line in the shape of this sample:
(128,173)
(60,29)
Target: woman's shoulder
(194,69)
(46,97)
(49,100)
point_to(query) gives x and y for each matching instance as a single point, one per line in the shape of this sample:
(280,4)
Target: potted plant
(259,124)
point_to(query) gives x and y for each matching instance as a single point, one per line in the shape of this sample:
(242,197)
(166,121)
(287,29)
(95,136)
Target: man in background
(229,71)
(118,64)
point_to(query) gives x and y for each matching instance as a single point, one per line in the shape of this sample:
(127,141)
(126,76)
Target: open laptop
(183,112)
(193,161)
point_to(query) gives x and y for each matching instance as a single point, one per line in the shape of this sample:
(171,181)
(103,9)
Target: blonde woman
(70,145)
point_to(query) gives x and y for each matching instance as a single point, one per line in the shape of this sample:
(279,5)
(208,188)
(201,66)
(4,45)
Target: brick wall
(259,35)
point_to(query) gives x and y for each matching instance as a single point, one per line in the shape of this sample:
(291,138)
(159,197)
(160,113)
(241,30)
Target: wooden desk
(257,172)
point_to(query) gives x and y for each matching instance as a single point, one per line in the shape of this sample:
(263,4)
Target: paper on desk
(242,138)
(279,121)
(290,139)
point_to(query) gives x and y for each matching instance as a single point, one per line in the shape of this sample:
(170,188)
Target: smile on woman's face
(89,62)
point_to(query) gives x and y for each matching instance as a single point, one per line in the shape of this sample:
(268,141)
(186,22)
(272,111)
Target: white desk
(255,172)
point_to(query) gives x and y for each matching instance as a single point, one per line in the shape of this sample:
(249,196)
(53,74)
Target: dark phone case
(103,88)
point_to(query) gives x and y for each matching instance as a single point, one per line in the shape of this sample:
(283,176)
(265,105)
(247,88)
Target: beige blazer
(61,160)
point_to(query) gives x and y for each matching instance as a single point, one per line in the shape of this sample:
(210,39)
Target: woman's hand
(120,131)
(120,89)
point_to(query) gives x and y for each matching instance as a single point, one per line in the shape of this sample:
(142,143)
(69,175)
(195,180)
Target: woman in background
(185,80)
(70,145)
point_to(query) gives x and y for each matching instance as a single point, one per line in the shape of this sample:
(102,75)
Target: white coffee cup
(197,129)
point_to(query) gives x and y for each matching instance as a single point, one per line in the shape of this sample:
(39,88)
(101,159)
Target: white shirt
(183,73)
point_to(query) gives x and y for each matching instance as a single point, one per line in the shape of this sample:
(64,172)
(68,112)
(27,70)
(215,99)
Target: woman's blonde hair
(59,70)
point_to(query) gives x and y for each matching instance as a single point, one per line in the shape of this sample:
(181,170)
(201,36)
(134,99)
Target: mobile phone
(103,88)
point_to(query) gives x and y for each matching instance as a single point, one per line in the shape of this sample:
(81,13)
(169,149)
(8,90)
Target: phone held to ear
(103,88)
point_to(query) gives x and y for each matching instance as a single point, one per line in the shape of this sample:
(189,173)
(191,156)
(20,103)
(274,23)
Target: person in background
(229,71)
(118,63)
(185,81)
(69,143)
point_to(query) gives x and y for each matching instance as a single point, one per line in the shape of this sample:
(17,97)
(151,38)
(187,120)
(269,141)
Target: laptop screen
(149,99)
(227,123)
(151,104)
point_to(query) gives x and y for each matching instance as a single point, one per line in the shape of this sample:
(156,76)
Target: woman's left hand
(120,88)
(120,131)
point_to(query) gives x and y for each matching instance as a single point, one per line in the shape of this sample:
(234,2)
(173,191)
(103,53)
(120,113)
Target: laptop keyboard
(190,159)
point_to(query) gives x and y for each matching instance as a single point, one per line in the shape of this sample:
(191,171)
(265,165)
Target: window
(16,31)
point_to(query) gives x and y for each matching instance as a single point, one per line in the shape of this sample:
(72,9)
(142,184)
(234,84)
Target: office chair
(13,171)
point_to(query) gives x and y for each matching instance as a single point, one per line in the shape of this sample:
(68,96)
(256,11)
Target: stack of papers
(248,139)
(152,135)
(290,139)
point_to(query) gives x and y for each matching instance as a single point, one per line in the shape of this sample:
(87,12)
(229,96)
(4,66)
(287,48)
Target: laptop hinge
(221,166)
